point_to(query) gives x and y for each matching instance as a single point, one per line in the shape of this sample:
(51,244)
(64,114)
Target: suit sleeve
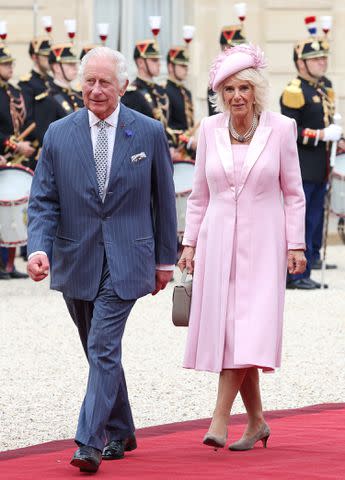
(163,201)
(291,185)
(43,210)
(199,198)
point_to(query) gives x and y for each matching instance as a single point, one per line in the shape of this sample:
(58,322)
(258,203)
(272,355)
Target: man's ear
(124,88)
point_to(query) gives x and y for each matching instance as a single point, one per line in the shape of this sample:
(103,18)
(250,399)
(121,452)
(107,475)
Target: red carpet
(305,444)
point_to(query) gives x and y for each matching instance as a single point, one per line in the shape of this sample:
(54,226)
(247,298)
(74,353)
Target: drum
(183,180)
(15,184)
(338,186)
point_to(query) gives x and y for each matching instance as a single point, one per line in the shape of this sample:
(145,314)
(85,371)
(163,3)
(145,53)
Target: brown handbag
(182,297)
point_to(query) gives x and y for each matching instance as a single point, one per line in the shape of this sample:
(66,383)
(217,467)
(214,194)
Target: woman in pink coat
(244,227)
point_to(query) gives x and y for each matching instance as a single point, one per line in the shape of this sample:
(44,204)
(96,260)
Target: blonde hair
(256,78)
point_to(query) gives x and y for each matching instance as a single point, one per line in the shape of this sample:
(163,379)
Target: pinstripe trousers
(105,414)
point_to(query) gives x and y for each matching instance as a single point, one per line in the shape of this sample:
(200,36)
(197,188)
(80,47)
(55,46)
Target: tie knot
(102,124)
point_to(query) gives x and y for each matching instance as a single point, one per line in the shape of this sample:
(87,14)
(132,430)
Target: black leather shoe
(115,450)
(87,459)
(302,284)
(16,274)
(317,284)
(4,275)
(317,265)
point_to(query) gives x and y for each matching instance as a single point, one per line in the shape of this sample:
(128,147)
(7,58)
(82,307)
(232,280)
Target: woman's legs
(250,393)
(230,381)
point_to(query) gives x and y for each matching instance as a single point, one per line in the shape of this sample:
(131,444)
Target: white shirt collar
(111,120)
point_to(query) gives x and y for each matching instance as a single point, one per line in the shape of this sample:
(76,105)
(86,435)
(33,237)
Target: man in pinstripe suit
(102,215)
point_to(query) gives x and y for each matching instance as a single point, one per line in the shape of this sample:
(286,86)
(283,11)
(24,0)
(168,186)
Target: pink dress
(239,153)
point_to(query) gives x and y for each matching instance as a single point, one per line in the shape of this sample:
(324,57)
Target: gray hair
(256,78)
(120,64)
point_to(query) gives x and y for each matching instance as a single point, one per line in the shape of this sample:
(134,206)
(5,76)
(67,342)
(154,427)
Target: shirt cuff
(165,268)
(38,252)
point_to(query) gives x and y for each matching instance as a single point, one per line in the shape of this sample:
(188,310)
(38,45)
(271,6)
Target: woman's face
(238,97)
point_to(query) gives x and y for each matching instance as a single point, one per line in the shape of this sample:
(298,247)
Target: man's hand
(162,278)
(3,160)
(38,267)
(25,148)
(297,262)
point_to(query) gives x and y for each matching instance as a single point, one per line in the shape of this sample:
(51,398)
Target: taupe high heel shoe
(215,441)
(248,443)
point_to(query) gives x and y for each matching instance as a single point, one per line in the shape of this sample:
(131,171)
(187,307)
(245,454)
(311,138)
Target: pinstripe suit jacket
(136,223)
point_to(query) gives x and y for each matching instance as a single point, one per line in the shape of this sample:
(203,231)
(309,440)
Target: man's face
(317,66)
(100,86)
(6,70)
(70,71)
(181,72)
(153,66)
(42,63)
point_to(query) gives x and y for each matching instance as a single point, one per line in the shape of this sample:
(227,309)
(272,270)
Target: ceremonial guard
(309,99)
(229,36)
(143,94)
(64,66)
(181,113)
(13,145)
(34,86)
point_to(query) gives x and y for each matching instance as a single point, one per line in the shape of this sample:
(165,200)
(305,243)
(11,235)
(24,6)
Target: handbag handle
(184,276)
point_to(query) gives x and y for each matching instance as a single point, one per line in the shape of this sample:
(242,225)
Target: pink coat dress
(242,233)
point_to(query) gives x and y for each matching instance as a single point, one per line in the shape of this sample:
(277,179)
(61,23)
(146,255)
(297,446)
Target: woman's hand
(187,259)
(297,262)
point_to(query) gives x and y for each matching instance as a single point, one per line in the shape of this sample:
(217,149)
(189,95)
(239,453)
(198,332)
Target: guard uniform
(12,111)
(34,86)
(311,104)
(181,112)
(229,37)
(144,96)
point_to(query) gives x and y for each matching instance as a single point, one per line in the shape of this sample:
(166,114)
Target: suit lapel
(84,145)
(223,145)
(255,149)
(125,133)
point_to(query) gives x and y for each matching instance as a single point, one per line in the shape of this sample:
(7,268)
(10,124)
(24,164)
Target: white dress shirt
(112,122)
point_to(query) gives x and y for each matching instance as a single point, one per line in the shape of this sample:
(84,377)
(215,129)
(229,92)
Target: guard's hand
(162,278)
(25,148)
(38,267)
(3,161)
(332,133)
(187,259)
(297,263)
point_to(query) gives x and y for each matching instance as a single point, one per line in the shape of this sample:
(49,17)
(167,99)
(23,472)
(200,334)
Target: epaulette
(330,94)
(42,95)
(131,88)
(293,95)
(26,77)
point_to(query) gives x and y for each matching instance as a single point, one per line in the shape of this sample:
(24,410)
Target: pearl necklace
(249,133)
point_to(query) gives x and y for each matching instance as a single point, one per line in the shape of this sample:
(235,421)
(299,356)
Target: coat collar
(255,149)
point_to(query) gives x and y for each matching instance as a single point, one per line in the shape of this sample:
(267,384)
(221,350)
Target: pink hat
(233,60)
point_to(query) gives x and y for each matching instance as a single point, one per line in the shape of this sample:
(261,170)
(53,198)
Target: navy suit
(103,253)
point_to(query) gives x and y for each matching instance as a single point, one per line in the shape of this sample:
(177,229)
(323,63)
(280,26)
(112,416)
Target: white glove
(332,133)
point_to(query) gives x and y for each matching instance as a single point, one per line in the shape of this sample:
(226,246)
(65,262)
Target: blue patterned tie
(101,155)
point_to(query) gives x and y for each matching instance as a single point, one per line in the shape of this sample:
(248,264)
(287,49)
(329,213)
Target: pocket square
(137,157)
